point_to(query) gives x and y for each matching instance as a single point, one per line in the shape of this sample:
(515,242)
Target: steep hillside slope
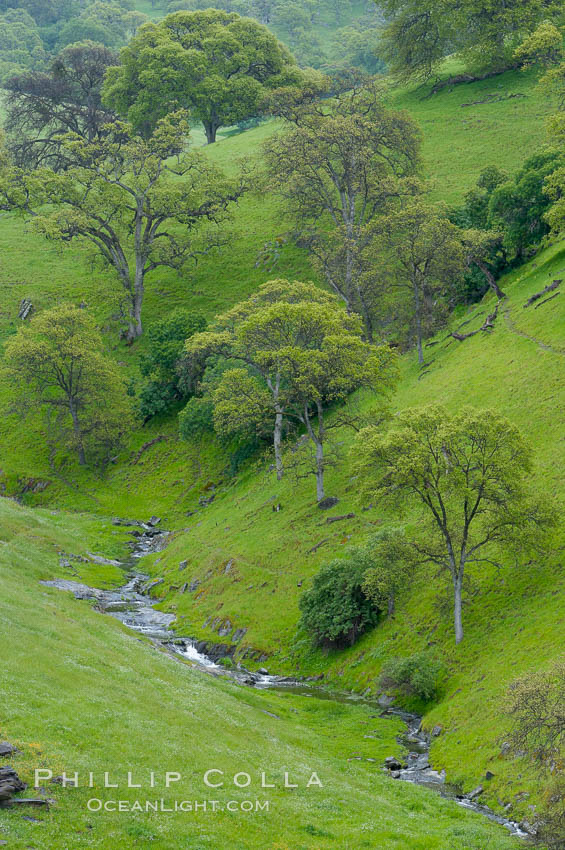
(81,694)
(514,619)
(459,141)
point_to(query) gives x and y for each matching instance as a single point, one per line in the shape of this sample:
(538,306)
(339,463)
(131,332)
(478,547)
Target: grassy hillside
(94,698)
(518,369)
(30,267)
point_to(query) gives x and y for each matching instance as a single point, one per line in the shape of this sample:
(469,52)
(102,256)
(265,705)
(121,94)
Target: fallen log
(545,300)
(148,445)
(487,325)
(549,288)
(317,546)
(469,78)
(331,519)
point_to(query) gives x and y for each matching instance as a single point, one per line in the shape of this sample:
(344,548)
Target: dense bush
(415,675)
(166,340)
(517,207)
(335,611)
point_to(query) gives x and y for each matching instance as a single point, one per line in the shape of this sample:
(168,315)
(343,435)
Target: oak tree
(214,63)
(57,364)
(466,476)
(127,198)
(342,165)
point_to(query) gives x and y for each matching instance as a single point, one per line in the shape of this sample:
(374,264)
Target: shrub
(335,611)
(166,342)
(415,675)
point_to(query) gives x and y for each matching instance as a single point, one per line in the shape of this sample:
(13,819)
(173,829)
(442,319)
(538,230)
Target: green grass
(507,633)
(513,619)
(80,693)
(460,140)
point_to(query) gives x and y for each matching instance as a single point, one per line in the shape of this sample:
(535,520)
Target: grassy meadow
(80,693)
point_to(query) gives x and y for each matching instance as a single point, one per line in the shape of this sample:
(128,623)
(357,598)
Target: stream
(132,605)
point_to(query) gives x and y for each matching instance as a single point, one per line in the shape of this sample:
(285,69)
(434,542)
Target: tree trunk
(457,588)
(77,433)
(319,471)
(210,128)
(490,279)
(318,440)
(418,321)
(390,611)
(135,328)
(277,444)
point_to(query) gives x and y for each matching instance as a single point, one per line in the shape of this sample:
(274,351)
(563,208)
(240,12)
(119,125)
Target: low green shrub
(335,611)
(416,675)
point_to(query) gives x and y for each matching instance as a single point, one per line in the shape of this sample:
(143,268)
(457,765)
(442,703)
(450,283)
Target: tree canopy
(57,363)
(121,195)
(335,610)
(466,473)
(301,352)
(43,105)
(214,63)
(417,39)
(341,166)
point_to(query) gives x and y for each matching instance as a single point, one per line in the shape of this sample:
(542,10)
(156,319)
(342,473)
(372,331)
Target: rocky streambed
(132,605)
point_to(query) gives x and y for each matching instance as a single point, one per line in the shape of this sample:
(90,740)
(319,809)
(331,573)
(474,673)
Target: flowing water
(132,605)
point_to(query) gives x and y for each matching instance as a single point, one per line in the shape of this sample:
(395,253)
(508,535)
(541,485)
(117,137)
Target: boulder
(225,629)
(392,763)
(105,562)
(327,503)
(385,700)
(436,731)
(489,775)
(26,308)
(155,520)
(193,585)
(183,565)
(238,634)
(10,784)
(476,792)
(7,750)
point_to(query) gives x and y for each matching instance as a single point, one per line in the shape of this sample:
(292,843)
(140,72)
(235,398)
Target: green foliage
(336,611)
(359,47)
(20,43)
(166,340)
(517,208)
(196,417)
(467,476)
(555,179)
(542,47)
(215,64)
(300,352)
(417,675)
(484,35)
(57,363)
(121,195)
(392,564)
